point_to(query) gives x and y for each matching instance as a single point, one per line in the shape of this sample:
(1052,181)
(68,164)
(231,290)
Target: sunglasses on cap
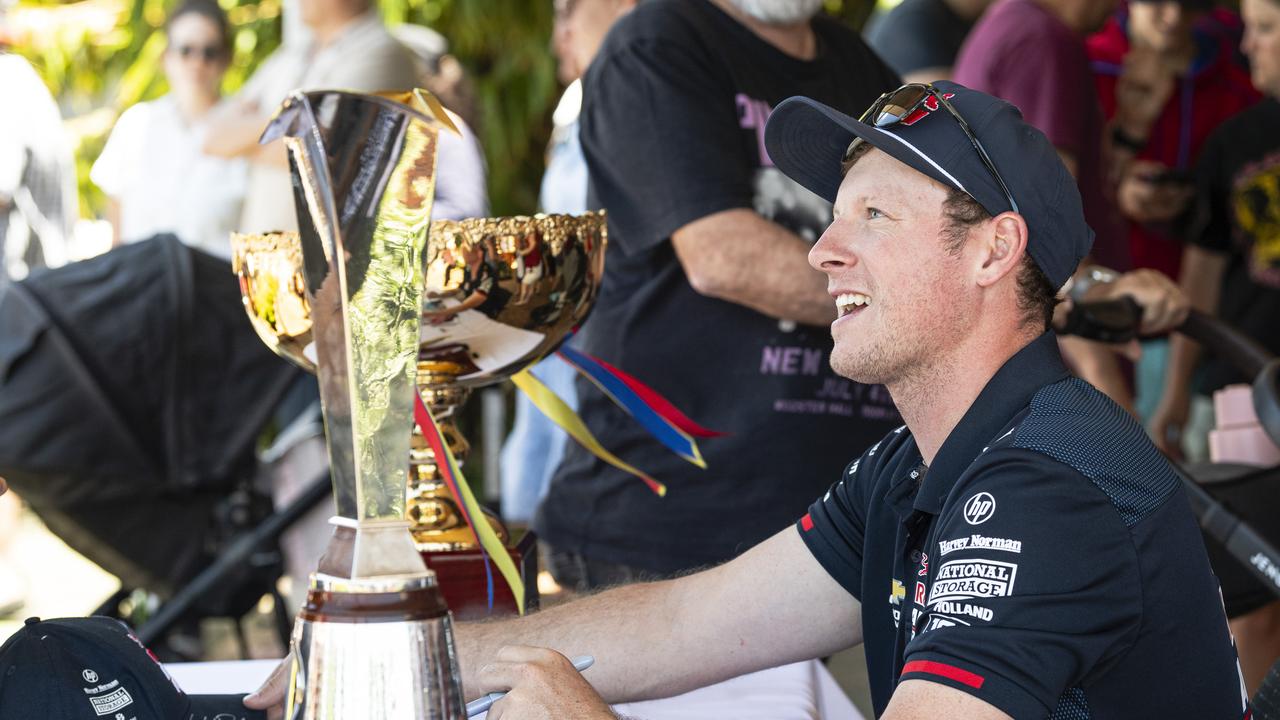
(911,102)
(208,53)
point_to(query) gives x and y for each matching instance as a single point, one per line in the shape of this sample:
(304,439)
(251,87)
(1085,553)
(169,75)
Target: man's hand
(1166,423)
(1164,305)
(1143,196)
(540,684)
(270,696)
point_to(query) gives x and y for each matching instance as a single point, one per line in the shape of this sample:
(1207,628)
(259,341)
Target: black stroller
(133,394)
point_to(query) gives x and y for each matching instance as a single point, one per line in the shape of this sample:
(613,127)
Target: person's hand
(1144,198)
(1164,305)
(541,684)
(1166,423)
(1145,84)
(270,696)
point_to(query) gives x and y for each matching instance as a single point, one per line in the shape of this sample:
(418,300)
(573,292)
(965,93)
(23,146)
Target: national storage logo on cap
(108,697)
(93,668)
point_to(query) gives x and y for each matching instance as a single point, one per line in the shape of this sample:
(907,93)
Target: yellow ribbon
(561,414)
(481,527)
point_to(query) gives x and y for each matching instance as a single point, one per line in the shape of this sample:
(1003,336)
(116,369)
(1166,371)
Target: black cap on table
(95,669)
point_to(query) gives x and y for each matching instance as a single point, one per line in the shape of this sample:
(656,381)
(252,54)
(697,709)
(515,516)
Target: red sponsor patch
(950,672)
(929,105)
(920,594)
(806,523)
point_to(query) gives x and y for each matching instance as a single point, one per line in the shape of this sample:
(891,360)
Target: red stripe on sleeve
(806,522)
(950,672)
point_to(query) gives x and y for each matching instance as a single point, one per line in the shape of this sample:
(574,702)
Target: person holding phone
(1179,57)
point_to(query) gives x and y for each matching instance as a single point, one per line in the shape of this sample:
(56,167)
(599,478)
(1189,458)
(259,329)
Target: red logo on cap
(929,105)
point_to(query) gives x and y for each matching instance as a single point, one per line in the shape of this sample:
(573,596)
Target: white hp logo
(979,508)
(89,676)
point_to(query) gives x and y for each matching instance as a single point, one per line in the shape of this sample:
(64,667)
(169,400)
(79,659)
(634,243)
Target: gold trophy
(374,638)
(499,295)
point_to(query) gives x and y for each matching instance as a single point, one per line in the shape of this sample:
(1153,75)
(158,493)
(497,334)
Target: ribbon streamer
(491,546)
(561,414)
(660,404)
(622,392)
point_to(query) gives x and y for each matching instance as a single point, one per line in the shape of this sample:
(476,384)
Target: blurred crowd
(1166,112)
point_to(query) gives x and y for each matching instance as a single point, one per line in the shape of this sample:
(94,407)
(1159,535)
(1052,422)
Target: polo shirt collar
(1037,364)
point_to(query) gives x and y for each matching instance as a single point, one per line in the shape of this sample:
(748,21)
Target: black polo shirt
(1047,562)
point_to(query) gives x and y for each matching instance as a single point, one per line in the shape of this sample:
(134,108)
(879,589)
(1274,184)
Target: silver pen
(475,707)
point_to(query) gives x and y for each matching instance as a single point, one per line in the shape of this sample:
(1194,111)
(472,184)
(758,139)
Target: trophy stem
(437,518)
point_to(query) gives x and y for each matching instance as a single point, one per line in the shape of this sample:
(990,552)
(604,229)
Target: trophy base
(377,648)
(465,586)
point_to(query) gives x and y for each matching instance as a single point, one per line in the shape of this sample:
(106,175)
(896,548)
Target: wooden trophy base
(461,574)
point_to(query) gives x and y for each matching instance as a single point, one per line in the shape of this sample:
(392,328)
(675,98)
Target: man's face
(779,12)
(580,27)
(320,13)
(1161,25)
(885,252)
(1262,43)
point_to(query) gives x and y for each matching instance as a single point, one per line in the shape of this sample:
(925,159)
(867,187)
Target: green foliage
(101,56)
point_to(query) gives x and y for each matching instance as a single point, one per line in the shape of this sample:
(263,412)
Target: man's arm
(924,700)
(738,256)
(773,605)
(1201,280)
(234,129)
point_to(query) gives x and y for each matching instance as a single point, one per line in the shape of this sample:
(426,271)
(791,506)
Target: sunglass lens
(898,105)
(208,53)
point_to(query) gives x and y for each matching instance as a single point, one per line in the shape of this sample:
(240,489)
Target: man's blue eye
(873,213)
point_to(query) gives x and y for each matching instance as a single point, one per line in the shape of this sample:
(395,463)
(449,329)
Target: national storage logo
(960,579)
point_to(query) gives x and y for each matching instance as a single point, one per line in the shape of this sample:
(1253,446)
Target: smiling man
(1018,549)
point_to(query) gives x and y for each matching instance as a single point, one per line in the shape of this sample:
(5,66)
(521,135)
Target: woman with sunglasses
(152,168)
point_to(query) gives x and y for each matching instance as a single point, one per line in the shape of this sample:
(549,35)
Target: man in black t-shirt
(707,295)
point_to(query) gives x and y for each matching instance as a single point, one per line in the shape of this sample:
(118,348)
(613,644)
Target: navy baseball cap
(808,140)
(95,669)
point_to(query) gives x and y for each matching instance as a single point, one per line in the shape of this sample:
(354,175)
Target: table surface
(802,691)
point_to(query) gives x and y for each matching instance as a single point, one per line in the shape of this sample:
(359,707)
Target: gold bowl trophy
(499,294)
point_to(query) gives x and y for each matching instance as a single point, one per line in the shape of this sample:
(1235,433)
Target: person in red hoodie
(1186,52)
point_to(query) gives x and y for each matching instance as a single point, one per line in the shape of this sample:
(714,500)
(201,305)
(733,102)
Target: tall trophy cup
(374,639)
(497,295)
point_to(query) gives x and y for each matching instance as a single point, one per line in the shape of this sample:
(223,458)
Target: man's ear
(1002,243)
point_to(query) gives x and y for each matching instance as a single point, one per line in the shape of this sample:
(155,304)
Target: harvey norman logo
(960,579)
(980,542)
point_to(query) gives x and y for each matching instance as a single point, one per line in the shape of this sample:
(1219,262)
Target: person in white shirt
(153,167)
(349,49)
